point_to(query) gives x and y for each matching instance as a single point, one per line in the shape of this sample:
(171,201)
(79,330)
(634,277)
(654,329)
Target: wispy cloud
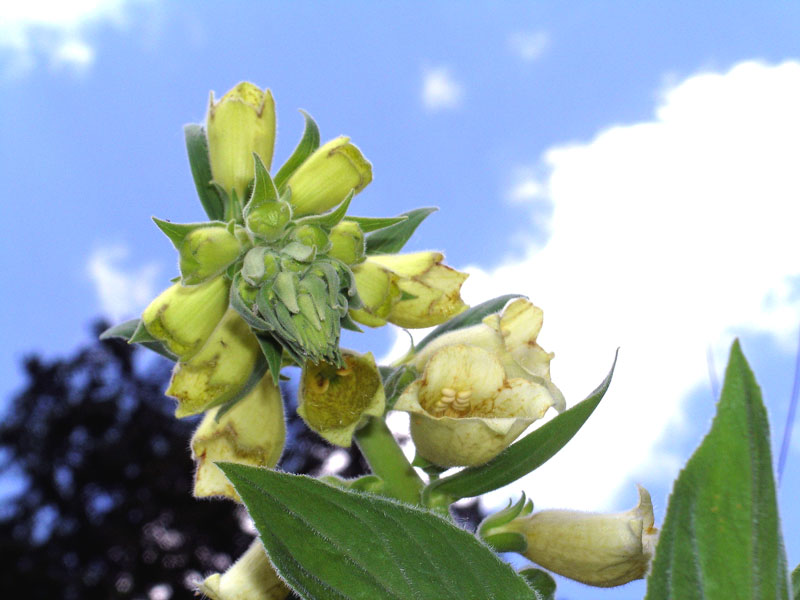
(528,45)
(667,236)
(55,32)
(440,91)
(122,292)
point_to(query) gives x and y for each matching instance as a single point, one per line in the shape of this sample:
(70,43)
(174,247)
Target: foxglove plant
(268,282)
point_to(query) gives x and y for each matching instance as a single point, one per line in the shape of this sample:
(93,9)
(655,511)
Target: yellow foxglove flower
(241,123)
(182,317)
(218,371)
(251,433)
(480,388)
(327,176)
(604,550)
(252,577)
(410,290)
(334,402)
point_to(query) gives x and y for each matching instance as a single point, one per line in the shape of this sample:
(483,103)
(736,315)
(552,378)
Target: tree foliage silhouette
(105,507)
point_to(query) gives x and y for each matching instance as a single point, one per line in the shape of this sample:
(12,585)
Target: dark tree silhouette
(105,508)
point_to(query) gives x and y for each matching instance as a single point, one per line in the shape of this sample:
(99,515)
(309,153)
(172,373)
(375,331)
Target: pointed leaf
(177,232)
(469,317)
(393,238)
(519,458)
(127,330)
(721,536)
(199,162)
(263,187)
(308,143)
(370,224)
(333,543)
(329,219)
(273,352)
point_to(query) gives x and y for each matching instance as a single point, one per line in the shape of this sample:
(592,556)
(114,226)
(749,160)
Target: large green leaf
(721,536)
(392,239)
(197,149)
(330,543)
(308,143)
(519,458)
(469,317)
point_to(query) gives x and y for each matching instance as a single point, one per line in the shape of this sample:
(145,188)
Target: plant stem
(388,461)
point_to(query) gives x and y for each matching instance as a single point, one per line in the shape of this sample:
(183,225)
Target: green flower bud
(596,549)
(311,235)
(218,371)
(182,317)
(327,176)
(334,402)
(379,292)
(259,265)
(207,251)
(251,433)
(252,577)
(347,243)
(241,123)
(269,220)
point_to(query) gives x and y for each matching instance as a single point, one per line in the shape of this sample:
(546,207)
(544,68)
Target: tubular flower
(218,371)
(242,122)
(597,549)
(474,397)
(410,290)
(252,577)
(335,402)
(251,433)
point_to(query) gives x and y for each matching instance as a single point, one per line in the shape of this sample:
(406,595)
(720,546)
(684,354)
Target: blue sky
(632,167)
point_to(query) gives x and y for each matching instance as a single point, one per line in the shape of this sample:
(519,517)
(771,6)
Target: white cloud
(667,236)
(529,45)
(55,32)
(122,292)
(439,90)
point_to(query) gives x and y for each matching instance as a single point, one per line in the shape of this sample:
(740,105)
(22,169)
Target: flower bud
(327,176)
(347,243)
(597,549)
(218,371)
(241,123)
(269,219)
(182,317)
(379,292)
(432,290)
(252,577)
(259,265)
(251,433)
(311,235)
(334,402)
(207,251)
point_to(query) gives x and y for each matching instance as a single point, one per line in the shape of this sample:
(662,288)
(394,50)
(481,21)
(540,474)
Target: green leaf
(796,582)
(329,219)
(469,317)
(273,352)
(370,224)
(541,582)
(127,330)
(721,536)
(519,458)
(177,232)
(308,143)
(329,543)
(199,162)
(263,187)
(392,239)
(395,381)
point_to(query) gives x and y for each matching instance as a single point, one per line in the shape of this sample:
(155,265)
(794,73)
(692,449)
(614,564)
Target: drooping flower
(481,387)
(252,577)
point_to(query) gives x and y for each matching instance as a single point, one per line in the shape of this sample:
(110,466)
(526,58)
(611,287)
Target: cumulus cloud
(528,45)
(122,292)
(54,32)
(440,91)
(667,237)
